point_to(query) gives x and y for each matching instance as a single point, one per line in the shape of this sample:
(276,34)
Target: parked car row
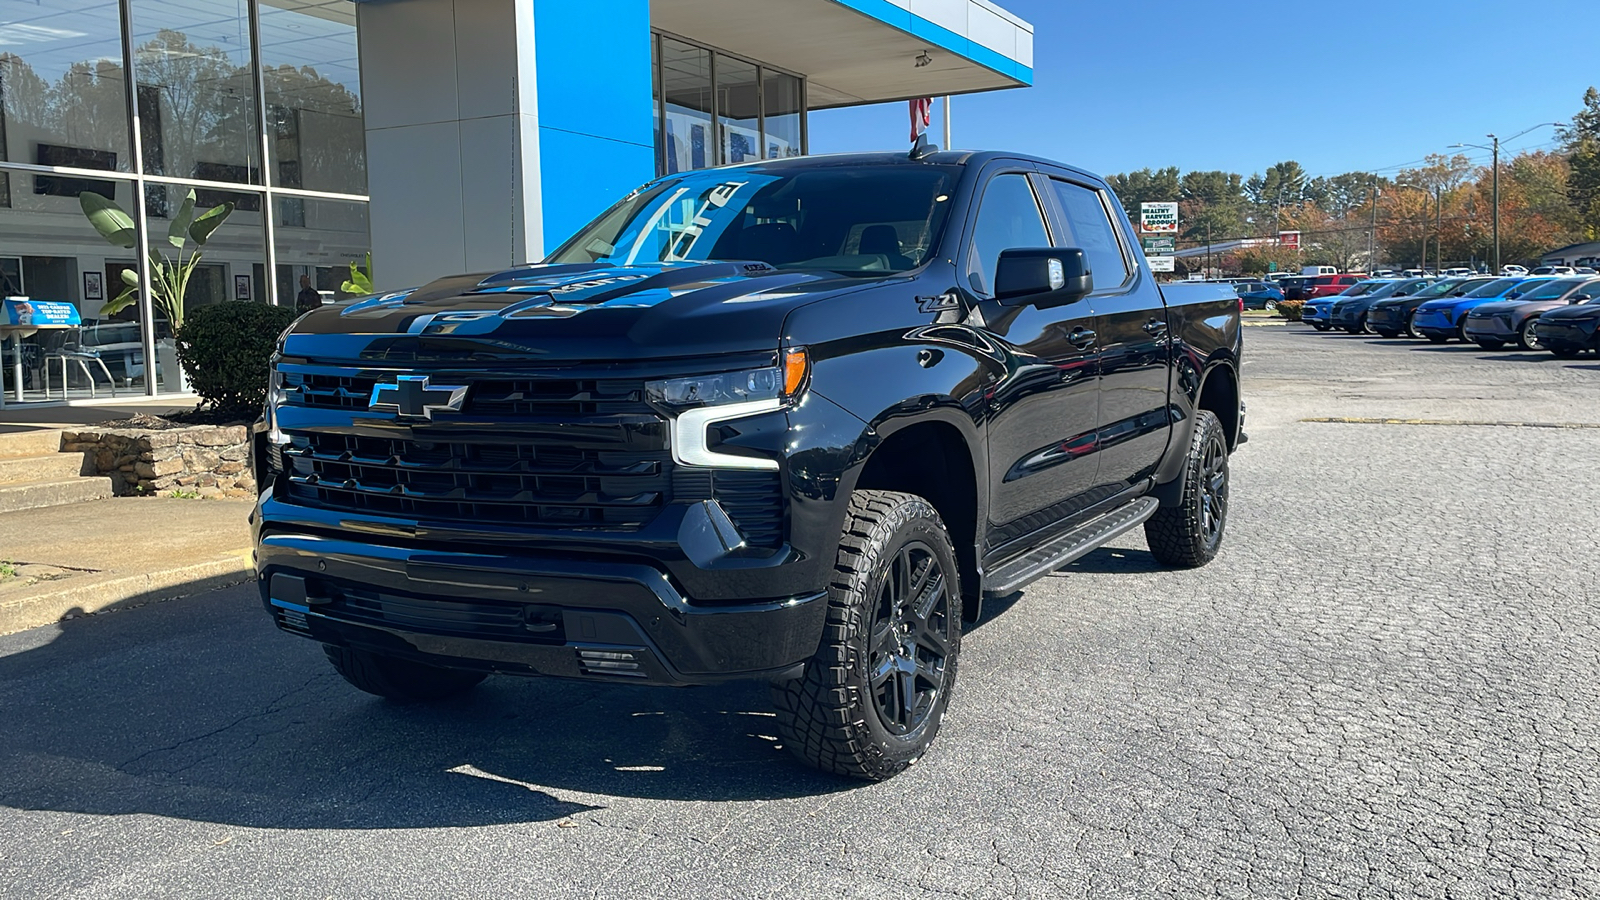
(1559,313)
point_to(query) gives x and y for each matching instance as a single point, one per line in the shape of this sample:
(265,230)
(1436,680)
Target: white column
(452,119)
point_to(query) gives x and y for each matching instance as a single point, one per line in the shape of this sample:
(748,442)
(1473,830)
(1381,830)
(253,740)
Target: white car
(1514,270)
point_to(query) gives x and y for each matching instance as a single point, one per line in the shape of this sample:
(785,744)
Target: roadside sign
(1159,246)
(1289,240)
(1158,218)
(1163,263)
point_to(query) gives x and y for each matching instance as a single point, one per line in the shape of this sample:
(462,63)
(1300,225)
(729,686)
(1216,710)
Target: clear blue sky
(1242,84)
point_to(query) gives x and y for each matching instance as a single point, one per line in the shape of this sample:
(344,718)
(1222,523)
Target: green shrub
(1291,309)
(226,350)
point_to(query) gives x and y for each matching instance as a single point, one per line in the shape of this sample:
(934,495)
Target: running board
(1089,536)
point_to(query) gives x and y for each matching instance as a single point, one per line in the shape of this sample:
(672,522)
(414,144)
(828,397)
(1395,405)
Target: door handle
(1155,327)
(1081,337)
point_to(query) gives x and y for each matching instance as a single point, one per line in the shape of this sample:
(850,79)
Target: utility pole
(1439,229)
(1372,235)
(1496,269)
(1208,247)
(1495,149)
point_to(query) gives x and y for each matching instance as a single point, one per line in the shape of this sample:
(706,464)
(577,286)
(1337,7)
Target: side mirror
(1580,298)
(1042,277)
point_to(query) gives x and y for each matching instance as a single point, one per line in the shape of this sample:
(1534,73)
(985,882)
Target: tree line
(1548,199)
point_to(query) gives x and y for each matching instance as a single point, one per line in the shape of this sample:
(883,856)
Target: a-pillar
(495,128)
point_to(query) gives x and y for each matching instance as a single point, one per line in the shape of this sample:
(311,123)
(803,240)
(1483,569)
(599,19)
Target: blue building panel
(583,175)
(596,115)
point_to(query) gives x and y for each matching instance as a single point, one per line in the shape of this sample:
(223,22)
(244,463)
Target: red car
(1328,285)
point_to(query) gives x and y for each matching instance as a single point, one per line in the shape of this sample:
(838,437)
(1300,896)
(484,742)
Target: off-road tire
(829,716)
(399,679)
(1179,536)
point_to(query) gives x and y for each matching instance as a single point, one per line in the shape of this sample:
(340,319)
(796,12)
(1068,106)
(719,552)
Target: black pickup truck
(788,421)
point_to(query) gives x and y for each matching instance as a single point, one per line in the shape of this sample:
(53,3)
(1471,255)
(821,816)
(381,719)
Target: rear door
(1130,321)
(1043,410)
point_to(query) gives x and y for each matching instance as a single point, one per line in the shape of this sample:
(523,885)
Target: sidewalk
(88,557)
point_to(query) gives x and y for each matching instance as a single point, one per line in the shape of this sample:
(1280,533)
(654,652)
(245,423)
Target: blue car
(1318,312)
(1350,310)
(1445,318)
(1258,294)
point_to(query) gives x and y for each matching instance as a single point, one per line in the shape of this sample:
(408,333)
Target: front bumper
(1489,330)
(526,615)
(1386,318)
(1580,335)
(1434,322)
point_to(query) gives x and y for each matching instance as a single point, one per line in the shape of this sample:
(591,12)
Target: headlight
(755,385)
(700,401)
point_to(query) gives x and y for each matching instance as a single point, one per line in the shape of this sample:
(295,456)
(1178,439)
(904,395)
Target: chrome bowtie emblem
(412,397)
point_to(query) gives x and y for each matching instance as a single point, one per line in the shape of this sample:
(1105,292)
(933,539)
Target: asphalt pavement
(1385,686)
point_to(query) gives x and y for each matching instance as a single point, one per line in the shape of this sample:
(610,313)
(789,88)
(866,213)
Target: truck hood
(558,313)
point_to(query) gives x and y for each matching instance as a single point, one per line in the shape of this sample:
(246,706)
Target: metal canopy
(864,51)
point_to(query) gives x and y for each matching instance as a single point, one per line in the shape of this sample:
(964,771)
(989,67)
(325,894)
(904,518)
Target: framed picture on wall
(241,287)
(94,287)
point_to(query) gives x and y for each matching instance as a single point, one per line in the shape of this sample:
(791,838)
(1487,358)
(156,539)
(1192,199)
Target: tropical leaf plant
(360,282)
(169,276)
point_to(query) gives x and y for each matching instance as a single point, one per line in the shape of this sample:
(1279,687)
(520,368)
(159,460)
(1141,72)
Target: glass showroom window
(785,109)
(196,91)
(63,103)
(738,110)
(317,252)
(686,87)
(317,139)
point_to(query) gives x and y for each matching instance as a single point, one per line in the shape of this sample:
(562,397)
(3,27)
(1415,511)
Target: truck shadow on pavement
(199,709)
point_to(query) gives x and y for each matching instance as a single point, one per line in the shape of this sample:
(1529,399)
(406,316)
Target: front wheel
(1189,534)
(1319,326)
(1528,336)
(1411,327)
(399,679)
(873,696)
(1491,345)
(1564,352)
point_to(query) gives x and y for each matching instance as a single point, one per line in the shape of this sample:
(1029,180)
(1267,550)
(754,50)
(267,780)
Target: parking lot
(1384,686)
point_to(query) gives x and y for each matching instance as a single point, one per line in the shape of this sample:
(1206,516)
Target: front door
(1131,322)
(1042,410)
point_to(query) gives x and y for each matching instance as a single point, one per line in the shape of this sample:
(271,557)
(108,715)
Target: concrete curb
(87,594)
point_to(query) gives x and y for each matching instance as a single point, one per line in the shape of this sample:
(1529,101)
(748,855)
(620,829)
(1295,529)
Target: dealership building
(441,136)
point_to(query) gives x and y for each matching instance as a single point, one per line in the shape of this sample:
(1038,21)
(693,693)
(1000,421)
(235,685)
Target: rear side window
(1091,231)
(1008,219)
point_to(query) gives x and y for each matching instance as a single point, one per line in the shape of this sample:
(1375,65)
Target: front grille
(523,483)
(524,451)
(493,396)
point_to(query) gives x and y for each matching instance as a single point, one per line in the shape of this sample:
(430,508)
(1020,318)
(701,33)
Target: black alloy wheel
(1189,534)
(908,646)
(871,699)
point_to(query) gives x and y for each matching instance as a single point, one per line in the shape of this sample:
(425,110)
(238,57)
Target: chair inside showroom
(86,361)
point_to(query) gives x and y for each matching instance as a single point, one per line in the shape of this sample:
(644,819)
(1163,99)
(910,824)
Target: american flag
(921,116)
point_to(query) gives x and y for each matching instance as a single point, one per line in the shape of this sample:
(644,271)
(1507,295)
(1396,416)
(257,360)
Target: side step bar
(1039,562)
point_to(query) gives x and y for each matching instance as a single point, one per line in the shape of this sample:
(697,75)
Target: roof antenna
(922,148)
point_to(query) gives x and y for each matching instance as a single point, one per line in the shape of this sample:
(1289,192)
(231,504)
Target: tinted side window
(1008,219)
(1091,231)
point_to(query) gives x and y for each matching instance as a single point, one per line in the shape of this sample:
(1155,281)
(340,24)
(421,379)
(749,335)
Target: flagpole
(947,121)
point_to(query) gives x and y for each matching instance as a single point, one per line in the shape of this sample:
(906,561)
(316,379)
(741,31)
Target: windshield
(1362,288)
(1494,288)
(856,220)
(1387,290)
(1550,290)
(1437,289)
